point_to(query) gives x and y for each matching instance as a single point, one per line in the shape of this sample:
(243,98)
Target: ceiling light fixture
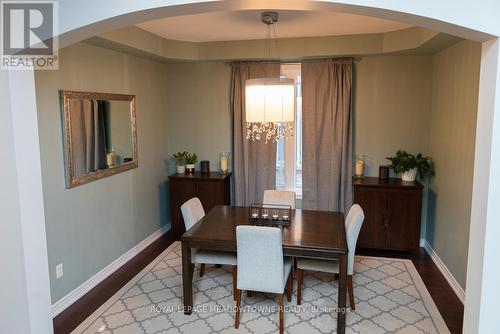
(270,101)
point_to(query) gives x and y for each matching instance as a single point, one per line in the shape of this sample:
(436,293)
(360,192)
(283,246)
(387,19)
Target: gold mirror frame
(74,181)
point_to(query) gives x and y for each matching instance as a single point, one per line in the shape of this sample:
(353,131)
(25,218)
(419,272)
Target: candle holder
(359,166)
(270,215)
(224,162)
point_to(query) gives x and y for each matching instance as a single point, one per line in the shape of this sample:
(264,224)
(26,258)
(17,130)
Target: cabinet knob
(387,221)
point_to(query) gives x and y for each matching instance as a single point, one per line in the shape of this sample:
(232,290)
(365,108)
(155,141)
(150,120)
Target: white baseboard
(422,242)
(446,273)
(88,285)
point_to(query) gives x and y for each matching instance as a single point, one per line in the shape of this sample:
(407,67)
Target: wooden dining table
(310,234)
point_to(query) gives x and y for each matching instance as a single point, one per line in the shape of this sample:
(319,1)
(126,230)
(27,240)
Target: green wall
(198,104)
(452,137)
(392,97)
(90,226)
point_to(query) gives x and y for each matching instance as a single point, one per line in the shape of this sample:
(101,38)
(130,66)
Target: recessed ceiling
(245,25)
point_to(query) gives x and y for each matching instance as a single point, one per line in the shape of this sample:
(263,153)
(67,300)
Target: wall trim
(89,284)
(445,271)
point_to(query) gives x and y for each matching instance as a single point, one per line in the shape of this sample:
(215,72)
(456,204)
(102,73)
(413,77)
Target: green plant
(404,161)
(180,158)
(191,158)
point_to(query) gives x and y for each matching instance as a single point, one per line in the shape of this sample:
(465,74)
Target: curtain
(327,135)
(88,136)
(254,162)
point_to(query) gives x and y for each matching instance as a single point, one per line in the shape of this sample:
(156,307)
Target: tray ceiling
(246,25)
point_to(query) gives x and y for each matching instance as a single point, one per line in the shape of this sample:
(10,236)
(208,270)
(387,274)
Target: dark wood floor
(446,301)
(70,318)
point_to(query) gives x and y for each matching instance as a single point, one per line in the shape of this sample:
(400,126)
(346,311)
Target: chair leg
(238,306)
(300,276)
(282,305)
(289,286)
(202,269)
(350,290)
(235,280)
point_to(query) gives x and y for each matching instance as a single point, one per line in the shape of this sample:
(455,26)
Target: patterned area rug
(390,298)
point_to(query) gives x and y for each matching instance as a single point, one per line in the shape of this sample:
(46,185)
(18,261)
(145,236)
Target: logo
(27,36)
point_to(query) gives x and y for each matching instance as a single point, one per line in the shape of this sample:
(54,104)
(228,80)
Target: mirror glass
(100,135)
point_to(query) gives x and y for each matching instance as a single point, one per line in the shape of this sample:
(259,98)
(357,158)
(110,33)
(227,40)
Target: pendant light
(269,101)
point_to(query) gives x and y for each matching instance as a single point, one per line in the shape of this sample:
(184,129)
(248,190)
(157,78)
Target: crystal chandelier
(270,102)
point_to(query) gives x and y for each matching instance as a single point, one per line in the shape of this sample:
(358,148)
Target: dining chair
(353,224)
(279,197)
(192,212)
(261,265)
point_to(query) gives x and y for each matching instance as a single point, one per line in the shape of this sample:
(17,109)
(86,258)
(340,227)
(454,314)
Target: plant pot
(409,175)
(190,168)
(181,169)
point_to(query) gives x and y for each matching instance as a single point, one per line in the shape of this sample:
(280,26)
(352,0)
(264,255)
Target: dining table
(309,234)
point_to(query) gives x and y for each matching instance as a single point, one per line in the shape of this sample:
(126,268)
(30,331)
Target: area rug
(390,298)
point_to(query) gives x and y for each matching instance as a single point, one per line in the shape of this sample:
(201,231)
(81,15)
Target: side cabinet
(211,188)
(392,213)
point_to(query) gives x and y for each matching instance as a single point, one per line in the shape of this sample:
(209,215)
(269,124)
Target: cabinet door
(180,192)
(404,222)
(374,204)
(210,194)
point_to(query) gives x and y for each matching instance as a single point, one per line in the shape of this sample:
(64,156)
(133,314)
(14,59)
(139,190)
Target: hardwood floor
(70,318)
(446,301)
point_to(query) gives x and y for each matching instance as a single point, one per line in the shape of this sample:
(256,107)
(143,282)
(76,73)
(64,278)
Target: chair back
(279,197)
(353,223)
(192,212)
(260,259)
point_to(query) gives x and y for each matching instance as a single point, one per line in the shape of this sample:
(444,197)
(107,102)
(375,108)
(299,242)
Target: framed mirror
(100,135)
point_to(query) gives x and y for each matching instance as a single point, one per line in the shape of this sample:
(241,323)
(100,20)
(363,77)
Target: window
(289,150)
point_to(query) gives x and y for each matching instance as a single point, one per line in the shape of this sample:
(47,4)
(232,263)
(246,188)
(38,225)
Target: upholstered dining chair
(261,265)
(353,224)
(279,197)
(192,212)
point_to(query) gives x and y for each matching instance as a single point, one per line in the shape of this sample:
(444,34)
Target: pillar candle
(223,164)
(359,168)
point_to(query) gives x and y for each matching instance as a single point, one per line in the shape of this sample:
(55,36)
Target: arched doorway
(83,19)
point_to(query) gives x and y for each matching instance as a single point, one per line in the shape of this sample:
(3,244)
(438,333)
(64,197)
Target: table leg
(187,278)
(342,294)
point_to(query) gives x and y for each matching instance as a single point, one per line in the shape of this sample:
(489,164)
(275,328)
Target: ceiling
(246,25)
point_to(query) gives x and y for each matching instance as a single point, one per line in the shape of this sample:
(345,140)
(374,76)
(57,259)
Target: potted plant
(408,165)
(191,160)
(180,160)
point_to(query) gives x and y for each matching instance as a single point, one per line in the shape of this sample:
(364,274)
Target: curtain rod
(297,61)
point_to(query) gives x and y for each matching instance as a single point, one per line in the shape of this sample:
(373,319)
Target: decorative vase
(409,175)
(181,169)
(189,168)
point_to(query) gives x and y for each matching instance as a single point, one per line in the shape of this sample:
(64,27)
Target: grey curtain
(254,162)
(88,136)
(327,135)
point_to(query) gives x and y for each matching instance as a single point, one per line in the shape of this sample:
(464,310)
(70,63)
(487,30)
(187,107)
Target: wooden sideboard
(392,213)
(211,188)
